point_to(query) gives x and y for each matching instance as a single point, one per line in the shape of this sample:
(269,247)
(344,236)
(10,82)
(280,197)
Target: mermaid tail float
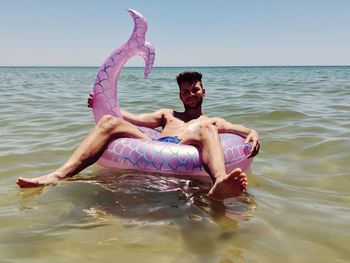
(151,156)
(105,88)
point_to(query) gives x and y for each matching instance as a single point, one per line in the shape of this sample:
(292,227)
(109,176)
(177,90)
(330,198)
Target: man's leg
(206,137)
(89,151)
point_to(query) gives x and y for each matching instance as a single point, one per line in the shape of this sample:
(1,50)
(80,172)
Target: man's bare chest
(174,122)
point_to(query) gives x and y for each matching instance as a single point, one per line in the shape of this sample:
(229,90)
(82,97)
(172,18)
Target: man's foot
(231,185)
(50,179)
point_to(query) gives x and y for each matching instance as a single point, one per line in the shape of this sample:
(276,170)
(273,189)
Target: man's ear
(204,91)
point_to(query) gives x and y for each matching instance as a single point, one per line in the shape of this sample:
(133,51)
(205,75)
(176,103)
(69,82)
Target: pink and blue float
(152,156)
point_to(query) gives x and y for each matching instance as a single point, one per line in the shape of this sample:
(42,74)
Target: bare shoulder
(166,112)
(215,120)
(159,112)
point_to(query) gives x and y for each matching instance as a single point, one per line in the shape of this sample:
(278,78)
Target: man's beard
(194,106)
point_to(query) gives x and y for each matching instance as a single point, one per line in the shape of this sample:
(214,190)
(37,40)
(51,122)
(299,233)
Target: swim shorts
(171,139)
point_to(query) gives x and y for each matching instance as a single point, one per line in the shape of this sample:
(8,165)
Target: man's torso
(176,123)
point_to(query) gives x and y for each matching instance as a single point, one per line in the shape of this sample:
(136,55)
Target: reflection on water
(155,198)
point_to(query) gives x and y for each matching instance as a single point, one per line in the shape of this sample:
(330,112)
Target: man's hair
(189,76)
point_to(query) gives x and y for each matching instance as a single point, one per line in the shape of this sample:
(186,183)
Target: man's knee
(206,128)
(109,123)
(201,132)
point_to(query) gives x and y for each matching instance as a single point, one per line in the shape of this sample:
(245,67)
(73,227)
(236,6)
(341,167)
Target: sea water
(297,208)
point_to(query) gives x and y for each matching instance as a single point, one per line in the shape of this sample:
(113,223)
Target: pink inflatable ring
(152,156)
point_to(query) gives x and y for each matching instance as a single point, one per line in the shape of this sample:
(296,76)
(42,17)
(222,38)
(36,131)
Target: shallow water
(297,208)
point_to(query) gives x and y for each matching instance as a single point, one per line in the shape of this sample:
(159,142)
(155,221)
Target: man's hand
(90,100)
(253,137)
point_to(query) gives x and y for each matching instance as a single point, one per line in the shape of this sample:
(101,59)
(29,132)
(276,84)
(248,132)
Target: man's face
(191,94)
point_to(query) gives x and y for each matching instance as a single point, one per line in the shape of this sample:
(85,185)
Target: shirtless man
(188,127)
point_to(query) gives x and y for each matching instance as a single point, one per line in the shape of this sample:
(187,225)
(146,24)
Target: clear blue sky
(184,32)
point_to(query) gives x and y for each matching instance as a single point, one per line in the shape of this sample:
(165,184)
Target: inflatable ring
(151,156)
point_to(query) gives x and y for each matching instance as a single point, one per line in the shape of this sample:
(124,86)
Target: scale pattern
(162,157)
(105,87)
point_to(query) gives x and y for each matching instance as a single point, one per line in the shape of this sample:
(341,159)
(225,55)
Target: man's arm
(150,120)
(251,135)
